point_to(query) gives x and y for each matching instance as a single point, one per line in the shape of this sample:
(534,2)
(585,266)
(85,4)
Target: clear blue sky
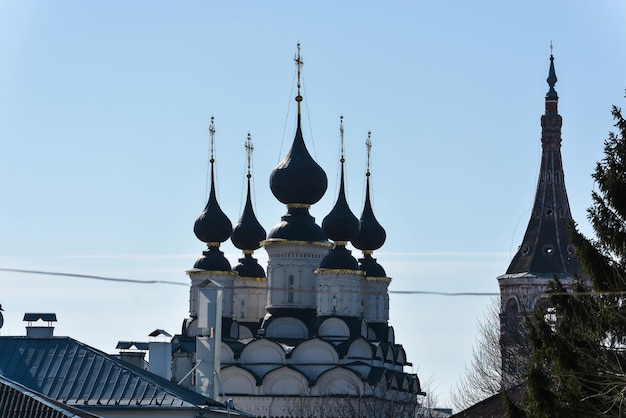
(104,115)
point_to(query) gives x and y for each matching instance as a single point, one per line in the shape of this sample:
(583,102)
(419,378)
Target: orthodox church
(545,252)
(310,328)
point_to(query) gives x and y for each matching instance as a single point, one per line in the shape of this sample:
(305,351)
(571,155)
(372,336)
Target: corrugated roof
(76,374)
(16,401)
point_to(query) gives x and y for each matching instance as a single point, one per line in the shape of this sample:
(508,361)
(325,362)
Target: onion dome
(370,267)
(298,179)
(297,225)
(248,266)
(212,226)
(340,225)
(371,234)
(248,233)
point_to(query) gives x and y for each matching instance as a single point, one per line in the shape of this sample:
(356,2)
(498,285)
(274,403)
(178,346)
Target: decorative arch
(391,335)
(236,380)
(400,355)
(286,328)
(244,332)
(360,349)
(340,380)
(314,351)
(511,306)
(371,335)
(334,327)
(284,381)
(391,355)
(541,302)
(262,351)
(392,382)
(380,353)
(510,318)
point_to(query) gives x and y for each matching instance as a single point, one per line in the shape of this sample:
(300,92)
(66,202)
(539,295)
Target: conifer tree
(577,366)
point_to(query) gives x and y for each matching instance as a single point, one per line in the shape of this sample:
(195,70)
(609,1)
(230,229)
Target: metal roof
(33,317)
(128,345)
(546,248)
(18,401)
(76,374)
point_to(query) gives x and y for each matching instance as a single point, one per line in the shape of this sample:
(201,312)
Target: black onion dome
(297,225)
(371,234)
(248,232)
(249,267)
(370,267)
(339,258)
(213,260)
(212,225)
(298,178)
(341,224)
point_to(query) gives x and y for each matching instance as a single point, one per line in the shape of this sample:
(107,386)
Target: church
(309,333)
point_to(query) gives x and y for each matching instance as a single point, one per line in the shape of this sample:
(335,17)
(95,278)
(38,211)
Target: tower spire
(545,248)
(551,82)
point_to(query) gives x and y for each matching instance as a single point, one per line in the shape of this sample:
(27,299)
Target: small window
(290,287)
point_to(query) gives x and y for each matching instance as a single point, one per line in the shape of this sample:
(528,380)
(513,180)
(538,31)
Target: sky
(104,115)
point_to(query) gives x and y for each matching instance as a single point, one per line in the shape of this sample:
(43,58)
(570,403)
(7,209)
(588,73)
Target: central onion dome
(298,182)
(298,179)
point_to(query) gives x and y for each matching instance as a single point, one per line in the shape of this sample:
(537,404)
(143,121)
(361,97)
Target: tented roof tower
(545,248)
(545,252)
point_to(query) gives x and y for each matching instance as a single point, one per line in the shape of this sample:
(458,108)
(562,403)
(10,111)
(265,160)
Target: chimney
(160,355)
(133,352)
(40,331)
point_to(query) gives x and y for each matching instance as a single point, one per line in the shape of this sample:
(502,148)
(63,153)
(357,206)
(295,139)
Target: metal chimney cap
(33,317)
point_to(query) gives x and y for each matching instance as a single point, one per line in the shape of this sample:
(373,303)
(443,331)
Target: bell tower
(545,251)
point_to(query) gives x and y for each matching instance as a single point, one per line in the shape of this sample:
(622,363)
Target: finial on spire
(212,140)
(299,64)
(552,77)
(551,48)
(368,147)
(342,160)
(249,149)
